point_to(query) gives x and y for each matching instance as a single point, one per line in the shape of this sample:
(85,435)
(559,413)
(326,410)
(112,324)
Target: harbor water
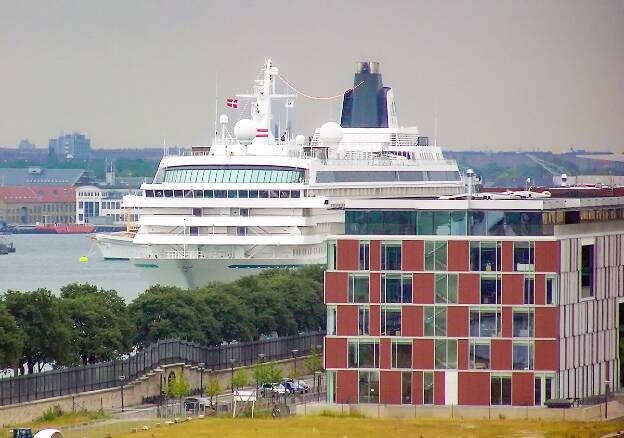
(53,260)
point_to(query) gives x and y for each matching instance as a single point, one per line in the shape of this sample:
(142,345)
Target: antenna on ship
(435,124)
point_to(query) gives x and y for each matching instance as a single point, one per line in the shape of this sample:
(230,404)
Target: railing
(179,255)
(105,375)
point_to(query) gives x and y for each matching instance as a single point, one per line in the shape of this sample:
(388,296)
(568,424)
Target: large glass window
(406,387)
(331,255)
(435,320)
(391,256)
(523,355)
(491,289)
(523,323)
(363,321)
(479,355)
(446,288)
(485,256)
(484,322)
(396,288)
(391,321)
(446,354)
(435,255)
(587,271)
(331,320)
(500,391)
(428,388)
(529,289)
(369,386)
(401,354)
(524,256)
(234,175)
(358,288)
(364,256)
(363,353)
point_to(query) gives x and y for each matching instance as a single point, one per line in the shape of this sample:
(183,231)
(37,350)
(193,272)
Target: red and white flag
(262,132)
(231,103)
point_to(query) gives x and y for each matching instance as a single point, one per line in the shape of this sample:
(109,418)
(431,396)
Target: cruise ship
(256,199)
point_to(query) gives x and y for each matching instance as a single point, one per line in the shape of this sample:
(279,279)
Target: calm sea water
(52,261)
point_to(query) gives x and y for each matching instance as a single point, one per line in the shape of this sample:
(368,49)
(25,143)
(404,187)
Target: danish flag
(262,132)
(231,103)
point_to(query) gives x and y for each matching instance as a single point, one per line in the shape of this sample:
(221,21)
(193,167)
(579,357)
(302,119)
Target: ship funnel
(369,104)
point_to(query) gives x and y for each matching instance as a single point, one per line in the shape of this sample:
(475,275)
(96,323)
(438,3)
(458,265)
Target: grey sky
(503,74)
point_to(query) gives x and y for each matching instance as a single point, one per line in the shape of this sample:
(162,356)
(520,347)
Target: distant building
(39,176)
(26,145)
(21,205)
(102,205)
(74,146)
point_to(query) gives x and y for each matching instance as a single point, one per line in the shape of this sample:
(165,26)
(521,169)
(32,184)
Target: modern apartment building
(505,301)
(101,205)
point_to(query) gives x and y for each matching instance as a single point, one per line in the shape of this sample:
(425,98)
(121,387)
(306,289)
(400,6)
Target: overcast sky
(502,74)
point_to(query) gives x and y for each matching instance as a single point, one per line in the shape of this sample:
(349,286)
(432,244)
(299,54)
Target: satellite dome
(300,140)
(245,131)
(330,133)
(223,119)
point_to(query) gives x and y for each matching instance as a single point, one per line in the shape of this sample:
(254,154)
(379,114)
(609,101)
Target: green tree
(101,327)
(169,312)
(314,362)
(240,378)
(47,329)
(177,387)
(274,373)
(260,373)
(11,340)
(235,317)
(213,389)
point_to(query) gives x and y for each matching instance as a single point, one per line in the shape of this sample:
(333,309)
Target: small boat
(6,248)
(65,228)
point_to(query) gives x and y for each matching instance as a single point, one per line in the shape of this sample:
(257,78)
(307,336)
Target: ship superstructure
(254,200)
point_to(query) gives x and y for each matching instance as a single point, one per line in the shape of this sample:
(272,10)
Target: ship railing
(177,255)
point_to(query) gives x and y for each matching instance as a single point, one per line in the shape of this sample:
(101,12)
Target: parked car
(269,389)
(192,404)
(296,386)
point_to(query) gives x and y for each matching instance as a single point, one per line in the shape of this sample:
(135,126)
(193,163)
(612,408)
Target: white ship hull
(193,273)
(119,246)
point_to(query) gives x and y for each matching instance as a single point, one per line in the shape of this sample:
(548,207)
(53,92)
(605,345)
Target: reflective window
(391,256)
(485,256)
(524,256)
(479,355)
(363,321)
(234,175)
(485,323)
(491,289)
(551,290)
(390,321)
(401,354)
(363,353)
(358,288)
(435,255)
(364,256)
(396,288)
(435,320)
(523,323)
(368,387)
(446,288)
(428,388)
(446,354)
(500,390)
(523,355)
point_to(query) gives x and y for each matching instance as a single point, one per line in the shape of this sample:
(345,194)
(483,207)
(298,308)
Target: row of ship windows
(397,288)
(484,256)
(500,388)
(190,194)
(364,353)
(484,322)
(233,176)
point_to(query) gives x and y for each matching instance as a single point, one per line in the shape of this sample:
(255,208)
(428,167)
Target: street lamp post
(201,366)
(232,362)
(121,379)
(294,354)
(606,397)
(317,382)
(261,358)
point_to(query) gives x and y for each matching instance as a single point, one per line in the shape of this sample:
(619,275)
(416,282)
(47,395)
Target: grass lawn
(319,426)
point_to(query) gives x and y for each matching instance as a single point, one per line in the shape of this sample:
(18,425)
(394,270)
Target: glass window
(391,256)
(435,255)
(446,288)
(441,223)
(551,290)
(522,355)
(425,223)
(523,323)
(331,320)
(406,388)
(435,320)
(476,223)
(264,193)
(491,289)
(364,321)
(331,255)
(406,284)
(369,386)
(529,289)
(358,288)
(485,323)
(391,288)
(428,388)
(485,256)
(587,271)
(446,354)
(524,256)
(495,223)
(363,354)
(459,223)
(220,193)
(390,321)
(500,391)
(253,193)
(401,355)
(479,355)
(364,260)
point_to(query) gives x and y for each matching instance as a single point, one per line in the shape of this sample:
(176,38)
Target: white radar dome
(330,133)
(300,140)
(223,119)
(245,131)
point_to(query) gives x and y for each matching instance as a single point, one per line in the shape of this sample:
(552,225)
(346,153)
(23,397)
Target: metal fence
(104,375)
